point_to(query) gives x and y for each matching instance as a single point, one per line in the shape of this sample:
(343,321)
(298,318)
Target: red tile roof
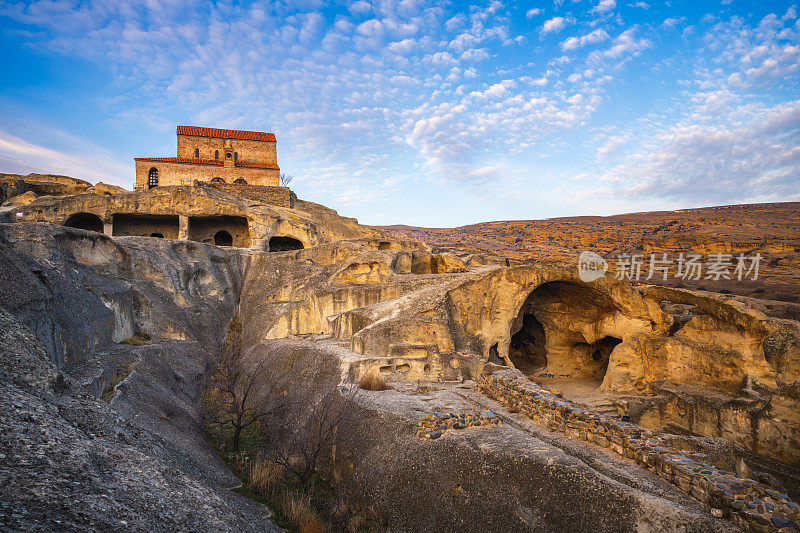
(189,160)
(226,134)
(253,164)
(214,162)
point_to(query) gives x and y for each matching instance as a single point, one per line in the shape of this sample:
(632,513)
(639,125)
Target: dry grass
(299,513)
(373,381)
(265,477)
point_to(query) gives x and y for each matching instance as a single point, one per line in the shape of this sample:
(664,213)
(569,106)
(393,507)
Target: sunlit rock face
(112,280)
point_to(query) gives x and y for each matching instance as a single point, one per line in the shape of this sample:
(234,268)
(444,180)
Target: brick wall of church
(256,151)
(183,173)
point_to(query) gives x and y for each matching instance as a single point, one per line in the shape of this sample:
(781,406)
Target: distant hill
(771,229)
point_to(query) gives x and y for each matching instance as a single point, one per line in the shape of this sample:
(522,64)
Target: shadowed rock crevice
(86,221)
(284,244)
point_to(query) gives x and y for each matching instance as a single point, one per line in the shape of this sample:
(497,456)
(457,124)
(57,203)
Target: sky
(426,113)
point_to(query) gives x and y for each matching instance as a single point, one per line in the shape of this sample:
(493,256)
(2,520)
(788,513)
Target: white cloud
(440,59)
(402,47)
(612,144)
(745,154)
(533,12)
(671,22)
(89,162)
(475,54)
(554,25)
(604,6)
(596,36)
(360,8)
(624,46)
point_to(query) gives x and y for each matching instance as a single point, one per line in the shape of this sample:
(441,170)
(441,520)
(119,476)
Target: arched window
(217,180)
(235,156)
(216,154)
(240,181)
(152,178)
(197,153)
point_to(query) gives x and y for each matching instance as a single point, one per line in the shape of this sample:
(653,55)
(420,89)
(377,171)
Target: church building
(213,155)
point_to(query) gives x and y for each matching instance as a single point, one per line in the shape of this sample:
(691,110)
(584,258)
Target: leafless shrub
(373,381)
(266,477)
(285,179)
(302,434)
(231,394)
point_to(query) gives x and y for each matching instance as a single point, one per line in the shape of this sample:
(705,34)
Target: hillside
(773,230)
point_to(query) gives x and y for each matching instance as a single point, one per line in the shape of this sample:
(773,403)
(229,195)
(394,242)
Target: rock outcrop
(132,305)
(71,302)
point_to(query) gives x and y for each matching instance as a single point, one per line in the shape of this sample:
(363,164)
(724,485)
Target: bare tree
(231,395)
(285,179)
(300,435)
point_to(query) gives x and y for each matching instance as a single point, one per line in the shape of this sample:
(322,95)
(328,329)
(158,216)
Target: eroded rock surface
(329,301)
(72,461)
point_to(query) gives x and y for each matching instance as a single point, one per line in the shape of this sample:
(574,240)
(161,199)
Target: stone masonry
(213,155)
(279,196)
(745,502)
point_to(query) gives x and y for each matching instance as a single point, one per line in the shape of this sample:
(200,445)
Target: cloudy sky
(431,113)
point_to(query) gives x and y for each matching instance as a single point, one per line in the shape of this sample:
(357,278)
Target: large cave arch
(561,333)
(87,221)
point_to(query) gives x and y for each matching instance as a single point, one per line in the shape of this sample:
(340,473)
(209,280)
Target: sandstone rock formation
(478,355)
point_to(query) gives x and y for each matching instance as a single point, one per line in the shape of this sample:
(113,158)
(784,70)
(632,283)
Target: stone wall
(280,196)
(256,151)
(747,503)
(172,173)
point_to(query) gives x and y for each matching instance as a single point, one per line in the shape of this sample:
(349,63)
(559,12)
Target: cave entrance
(528,348)
(86,221)
(559,337)
(223,238)
(163,226)
(595,357)
(284,244)
(220,230)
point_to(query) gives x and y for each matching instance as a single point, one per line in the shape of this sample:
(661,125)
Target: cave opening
(560,337)
(284,244)
(223,238)
(223,230)
(86,221)
(593,358)
(145,225)
(528,348)
(494,355)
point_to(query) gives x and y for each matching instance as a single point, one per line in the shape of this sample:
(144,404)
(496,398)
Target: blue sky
(423,112)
